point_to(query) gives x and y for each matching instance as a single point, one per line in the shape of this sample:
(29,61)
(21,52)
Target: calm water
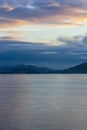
(43,102)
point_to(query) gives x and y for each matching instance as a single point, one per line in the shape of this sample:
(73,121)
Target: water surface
(43,102)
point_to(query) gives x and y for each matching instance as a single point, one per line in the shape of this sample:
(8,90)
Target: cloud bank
(72,52)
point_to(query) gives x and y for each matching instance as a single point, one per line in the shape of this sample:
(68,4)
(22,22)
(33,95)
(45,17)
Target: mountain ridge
(31,69)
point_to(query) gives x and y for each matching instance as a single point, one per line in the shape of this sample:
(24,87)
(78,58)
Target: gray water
(43,102)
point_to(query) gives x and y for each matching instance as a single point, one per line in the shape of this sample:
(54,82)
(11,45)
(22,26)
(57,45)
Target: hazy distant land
(30,69)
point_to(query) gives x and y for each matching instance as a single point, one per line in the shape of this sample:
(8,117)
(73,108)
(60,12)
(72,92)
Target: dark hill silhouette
(30,69)
(82,68)
(24,69)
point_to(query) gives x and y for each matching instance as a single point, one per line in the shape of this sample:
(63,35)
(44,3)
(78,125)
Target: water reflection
(43,102)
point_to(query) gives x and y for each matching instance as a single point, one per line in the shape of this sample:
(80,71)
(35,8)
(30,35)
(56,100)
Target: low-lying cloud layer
(73,51)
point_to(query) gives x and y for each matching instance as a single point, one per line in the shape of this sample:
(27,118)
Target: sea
(43,102)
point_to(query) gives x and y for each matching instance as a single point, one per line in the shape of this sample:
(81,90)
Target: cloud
(75,42)
(15,32)
(70,53)
(51,12)
(6,38)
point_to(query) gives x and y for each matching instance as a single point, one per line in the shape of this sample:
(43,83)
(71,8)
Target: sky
(50,33)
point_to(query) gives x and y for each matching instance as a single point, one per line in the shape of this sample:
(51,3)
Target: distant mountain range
(30,69)
(81,68)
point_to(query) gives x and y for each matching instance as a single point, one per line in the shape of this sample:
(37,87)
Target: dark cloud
(75,42)
(72,52)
